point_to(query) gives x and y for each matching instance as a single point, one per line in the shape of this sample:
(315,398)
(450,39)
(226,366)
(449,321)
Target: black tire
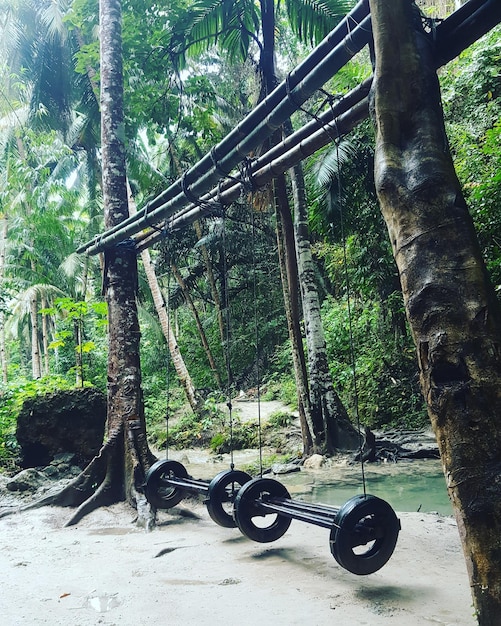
(369,524)
(247,508)
(223,489)
(158,491)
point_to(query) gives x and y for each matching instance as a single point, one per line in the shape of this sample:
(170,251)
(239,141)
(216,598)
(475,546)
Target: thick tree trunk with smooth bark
(451,305)
(333,429)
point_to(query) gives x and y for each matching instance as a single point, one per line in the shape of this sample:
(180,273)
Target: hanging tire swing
(167,483)
(363,532)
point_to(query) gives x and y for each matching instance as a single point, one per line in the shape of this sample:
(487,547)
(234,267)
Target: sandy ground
(189,571)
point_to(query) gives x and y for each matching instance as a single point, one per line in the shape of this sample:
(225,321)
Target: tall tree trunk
(125,401)
(330,418)
(451,305)
(45,338)
(79,378)
(118,471)
(291,303)
(285,241)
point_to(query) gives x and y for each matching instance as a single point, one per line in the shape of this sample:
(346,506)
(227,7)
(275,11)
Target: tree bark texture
(125,401)
(288,273)
(36,368)
(332,424)
(451,306)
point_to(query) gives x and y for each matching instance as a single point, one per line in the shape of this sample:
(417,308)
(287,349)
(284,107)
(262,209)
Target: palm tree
(117,473)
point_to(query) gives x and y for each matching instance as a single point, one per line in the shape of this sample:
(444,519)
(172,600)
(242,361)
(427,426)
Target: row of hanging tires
(363,532)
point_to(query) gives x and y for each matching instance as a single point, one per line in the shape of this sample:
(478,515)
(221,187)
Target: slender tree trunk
(329,415)
(291,298)
(451,305)
(45,338)
(79,356)
(163,317)
(200,328)
(285,242)
(212,282)
(290,287)
(36,369)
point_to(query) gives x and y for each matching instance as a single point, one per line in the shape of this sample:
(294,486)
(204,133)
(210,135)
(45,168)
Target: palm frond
(210,23)
(312,20)
(329,163)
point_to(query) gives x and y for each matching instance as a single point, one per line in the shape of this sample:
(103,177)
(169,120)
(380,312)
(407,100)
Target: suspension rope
(256,339)
(229,375)
(167,375)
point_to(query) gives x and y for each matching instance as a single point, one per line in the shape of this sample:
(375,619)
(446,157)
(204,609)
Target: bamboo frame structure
(210,184)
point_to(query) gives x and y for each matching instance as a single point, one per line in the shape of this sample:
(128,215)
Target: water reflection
(412,486)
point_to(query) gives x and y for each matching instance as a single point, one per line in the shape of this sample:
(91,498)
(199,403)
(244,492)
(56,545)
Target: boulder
(68,423)
(28,480)
(315,461)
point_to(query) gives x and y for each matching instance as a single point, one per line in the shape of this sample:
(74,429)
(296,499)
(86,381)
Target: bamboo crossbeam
(453,35)
(348,38)
(337,128)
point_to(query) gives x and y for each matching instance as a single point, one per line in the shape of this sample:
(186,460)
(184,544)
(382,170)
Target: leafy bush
(239,437)
(282,388)
(189,430)
(280,419)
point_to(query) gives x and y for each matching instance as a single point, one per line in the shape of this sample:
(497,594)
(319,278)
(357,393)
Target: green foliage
(282,387)
(238,437)
(185,429)
(280,419)
(384,365)
(471,92)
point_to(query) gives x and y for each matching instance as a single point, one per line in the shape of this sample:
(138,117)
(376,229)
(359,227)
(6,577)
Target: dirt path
(191,572)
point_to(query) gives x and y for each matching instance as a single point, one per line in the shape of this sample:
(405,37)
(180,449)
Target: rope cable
(229,375)
(256,339)
(167,375)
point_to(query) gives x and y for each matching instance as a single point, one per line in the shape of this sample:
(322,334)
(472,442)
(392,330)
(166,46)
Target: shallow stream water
(407,485)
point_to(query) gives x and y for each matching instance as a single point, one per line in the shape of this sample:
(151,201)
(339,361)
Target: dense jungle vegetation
(221,279)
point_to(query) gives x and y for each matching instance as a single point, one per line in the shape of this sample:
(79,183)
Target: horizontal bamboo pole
(453,35)
(348,38)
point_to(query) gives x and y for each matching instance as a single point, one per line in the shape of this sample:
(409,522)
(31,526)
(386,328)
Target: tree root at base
(97,485)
